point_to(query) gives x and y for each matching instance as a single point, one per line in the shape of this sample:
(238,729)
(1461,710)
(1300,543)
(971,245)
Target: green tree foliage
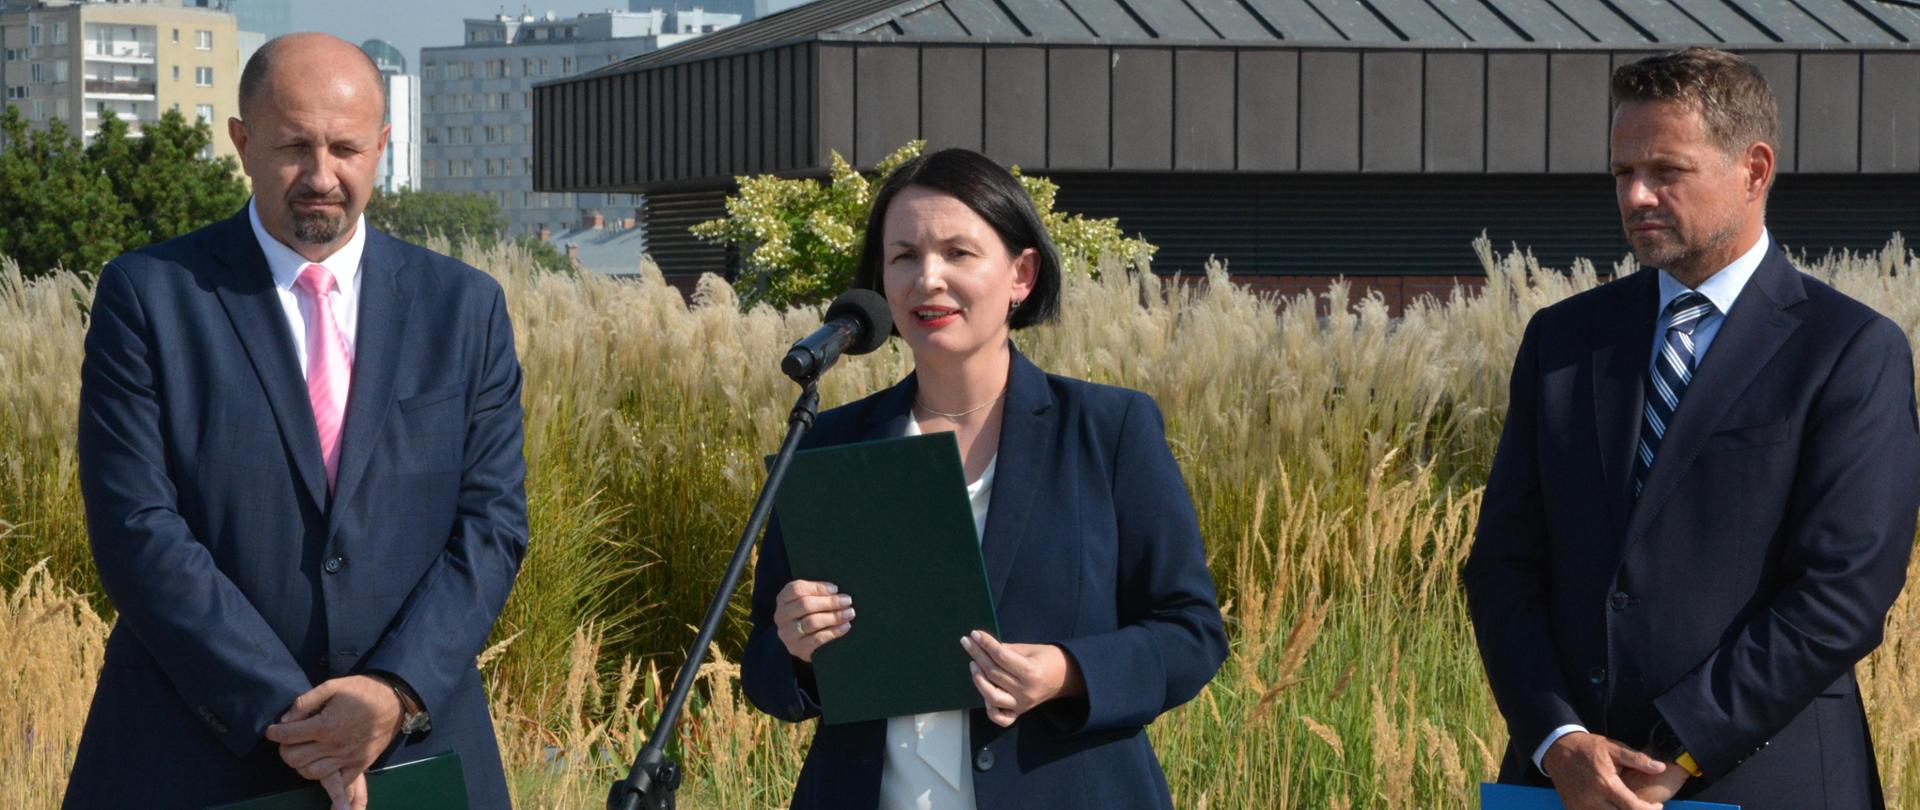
(801,237)
(162,175)
(464,220)
(415,216)
(64,205)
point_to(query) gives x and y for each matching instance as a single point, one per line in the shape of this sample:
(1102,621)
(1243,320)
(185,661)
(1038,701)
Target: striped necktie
(329,371)
(1668,378)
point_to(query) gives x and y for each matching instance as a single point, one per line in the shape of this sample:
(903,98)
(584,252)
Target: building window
(60,71)
(205,111)
(176,73)
(36,73)
(176,36)
(203,77)
(39,110)
(430,71)
(566,66)
(60,108)
(33,35)
(466,101)
(526,100)
(59,33)
(203,40)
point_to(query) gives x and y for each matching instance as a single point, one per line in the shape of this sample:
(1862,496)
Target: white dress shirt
(926,764)
(286,266)
(1722,288)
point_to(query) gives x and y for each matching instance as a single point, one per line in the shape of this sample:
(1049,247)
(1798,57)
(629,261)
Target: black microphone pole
(653,779)
(651,783)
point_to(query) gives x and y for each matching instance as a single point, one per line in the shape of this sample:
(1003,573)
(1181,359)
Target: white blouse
(926,766)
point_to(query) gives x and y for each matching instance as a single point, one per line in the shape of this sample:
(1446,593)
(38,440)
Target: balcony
(143,89)
(135,53)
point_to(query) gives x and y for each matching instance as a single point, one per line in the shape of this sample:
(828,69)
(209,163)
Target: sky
(413,24)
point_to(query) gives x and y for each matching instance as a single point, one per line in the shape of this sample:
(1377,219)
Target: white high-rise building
(400,168)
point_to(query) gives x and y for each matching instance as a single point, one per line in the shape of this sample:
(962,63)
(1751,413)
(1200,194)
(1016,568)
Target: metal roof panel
(1171,19)
(1786,20)
(1665,21)
(1357,21)
(932,21)
(1295,20)
(1418,22)
(1232,19)
(986,19)
(1727,23)
(1480,22)
(1108,19)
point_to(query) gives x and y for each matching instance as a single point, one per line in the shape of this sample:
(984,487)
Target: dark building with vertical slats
(1288,137)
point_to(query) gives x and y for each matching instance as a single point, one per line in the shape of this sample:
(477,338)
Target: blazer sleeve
(1850,532)
(443,624)
(1170,640)
(215,648)
(773,680)
(1507,571)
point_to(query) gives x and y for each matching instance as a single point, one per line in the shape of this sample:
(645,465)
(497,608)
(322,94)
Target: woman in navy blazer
(1106,608)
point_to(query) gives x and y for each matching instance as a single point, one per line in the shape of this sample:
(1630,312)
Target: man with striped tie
(300,451)
(1703,502)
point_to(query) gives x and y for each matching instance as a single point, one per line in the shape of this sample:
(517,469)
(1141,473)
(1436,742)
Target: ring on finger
(799,627)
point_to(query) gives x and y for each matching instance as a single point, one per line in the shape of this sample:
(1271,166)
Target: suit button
(333,564)
(212,720)
(1620,600)
(983,759)
(1597,676)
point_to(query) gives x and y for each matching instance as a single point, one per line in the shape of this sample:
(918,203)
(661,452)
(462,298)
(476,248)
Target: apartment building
(81,62)
(477,115)
(400,166)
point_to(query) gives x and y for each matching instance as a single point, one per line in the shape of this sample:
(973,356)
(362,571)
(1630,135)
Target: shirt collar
(344,264)
(1724,287)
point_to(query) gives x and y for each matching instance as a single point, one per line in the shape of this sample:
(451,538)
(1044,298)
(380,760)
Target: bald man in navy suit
(300,451)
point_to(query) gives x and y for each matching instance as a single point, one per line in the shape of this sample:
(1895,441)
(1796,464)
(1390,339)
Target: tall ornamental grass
(1335,454)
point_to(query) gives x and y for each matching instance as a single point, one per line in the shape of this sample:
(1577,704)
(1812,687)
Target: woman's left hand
(1017,677)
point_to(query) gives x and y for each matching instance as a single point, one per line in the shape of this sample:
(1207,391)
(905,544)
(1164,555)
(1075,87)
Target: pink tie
(328,372)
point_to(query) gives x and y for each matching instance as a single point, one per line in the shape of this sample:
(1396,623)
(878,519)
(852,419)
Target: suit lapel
(1026,442)
(385,303)
(1620,359)
(253,305)
(1756,328)
(1026,445)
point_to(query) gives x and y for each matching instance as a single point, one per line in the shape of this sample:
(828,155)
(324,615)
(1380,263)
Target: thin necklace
(922,405)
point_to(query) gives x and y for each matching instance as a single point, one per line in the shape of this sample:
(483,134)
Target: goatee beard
(318,228)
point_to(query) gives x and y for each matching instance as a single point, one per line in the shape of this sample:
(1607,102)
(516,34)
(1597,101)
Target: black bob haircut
(990,191)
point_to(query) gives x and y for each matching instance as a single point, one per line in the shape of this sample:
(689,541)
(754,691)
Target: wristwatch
(1665,745)
(413,715)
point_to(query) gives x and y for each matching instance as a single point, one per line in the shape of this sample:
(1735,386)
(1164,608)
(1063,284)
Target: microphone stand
(651,782)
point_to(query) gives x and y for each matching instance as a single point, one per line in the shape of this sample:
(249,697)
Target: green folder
(434,783)
(889,522)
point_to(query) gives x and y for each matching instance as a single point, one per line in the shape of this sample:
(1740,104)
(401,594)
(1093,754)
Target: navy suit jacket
(1734,596)
(239,581)
(1092,544)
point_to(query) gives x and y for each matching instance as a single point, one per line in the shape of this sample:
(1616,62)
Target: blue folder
(1515,797)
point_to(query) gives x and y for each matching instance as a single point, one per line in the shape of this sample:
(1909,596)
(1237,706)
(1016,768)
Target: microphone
(856,323)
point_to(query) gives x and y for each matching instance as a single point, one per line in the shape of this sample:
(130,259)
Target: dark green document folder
(889,522)
(434,783)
